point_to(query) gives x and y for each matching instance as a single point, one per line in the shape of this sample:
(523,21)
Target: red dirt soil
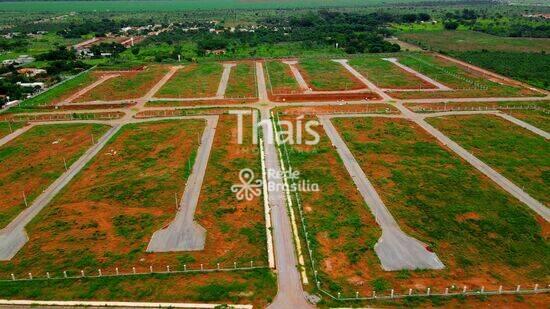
(323,97)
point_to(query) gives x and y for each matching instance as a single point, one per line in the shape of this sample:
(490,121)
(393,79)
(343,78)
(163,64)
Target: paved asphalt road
(395,249)
(184,233)
(13,237)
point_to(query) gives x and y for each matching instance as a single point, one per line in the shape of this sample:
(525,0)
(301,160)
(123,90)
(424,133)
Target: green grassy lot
(465,83)
(257,287)
(518,154)
(7,128)
(537,118)
(280,78)
(324,74)
(482,235)
(126,86)
(34,160)
(472,40)
(242,81)
(105,216)
(341,228)
(532,68)
(386,74)
(57,94)
(200,80)
(235,228)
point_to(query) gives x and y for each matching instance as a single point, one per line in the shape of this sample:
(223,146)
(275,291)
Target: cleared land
(482,235)
(537,118)
(235,229)
(340,225)
(105,217)
(7,128)
(129,85)
(327,75)
(34,160)
(280,78)
(386,74)
(472,40)
(515,152)
(465,82)
(193,81)
(242,81)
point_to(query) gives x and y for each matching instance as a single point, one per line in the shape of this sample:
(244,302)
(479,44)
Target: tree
(450,25)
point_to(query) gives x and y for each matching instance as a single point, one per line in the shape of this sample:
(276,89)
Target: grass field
(473,41)
(430,107)
(532,68)
(8,127)
(57,94)
(105,217)
(235,228)
(257,287)
(466,83)
(34,160)
(126,86)
(386,74)
(483,236)
(340,225)
(518,154)
(537,118)
(280,78)
(242,81)
(172,5)
(197,81)
(324,74)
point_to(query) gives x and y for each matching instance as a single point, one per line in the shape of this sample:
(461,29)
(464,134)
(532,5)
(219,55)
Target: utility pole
(65,163)
(9,125)
(176,197)
(93,142)
(25,199)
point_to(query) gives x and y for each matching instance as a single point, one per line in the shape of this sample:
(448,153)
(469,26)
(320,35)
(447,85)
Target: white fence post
(116,271)
(48,275)
(30,276)
(13,277)
(82,273)
(151,269)
(65,273)
(134,270)
(99,271)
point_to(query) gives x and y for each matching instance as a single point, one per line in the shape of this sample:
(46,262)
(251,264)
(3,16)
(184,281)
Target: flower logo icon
(249,186)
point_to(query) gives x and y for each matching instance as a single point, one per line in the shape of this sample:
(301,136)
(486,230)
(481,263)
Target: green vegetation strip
(384,73)
(518,154)
(280,78)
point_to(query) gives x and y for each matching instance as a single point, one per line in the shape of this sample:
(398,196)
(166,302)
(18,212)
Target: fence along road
(13,237)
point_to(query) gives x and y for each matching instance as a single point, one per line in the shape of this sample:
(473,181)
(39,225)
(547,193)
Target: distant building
(31,72)
(23,59)
(32,85)
(215,52)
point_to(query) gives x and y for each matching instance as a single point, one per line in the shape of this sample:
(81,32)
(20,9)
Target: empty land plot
(473,40)
(327,75)
(193,81)
(242,81)
(7,128)
(386,74)
(537,118)
(34,160)
(107,214)
(507,107)
(129,85)
(342,230)
(280,78)
(257,287)
(235,229)
(465,82)
(516,153)
(482,235)
(63,91)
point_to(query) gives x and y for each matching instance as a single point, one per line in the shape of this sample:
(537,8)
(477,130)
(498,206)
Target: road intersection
(291,292)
